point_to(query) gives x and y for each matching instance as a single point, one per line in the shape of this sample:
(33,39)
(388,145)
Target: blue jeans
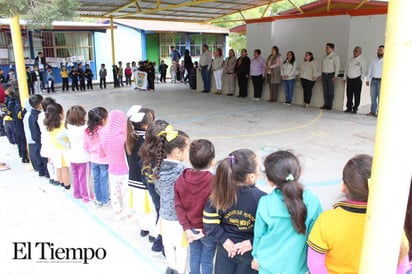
(101,182)
(375,90)
(289,86)
(205,77)
(328,89)
(202,253)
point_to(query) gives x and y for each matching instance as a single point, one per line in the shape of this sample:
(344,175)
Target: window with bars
(171,39)
(214,41)
(6,47)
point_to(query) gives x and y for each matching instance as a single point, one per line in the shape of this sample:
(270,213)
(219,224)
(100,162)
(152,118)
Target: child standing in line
(79,159)
(92,144)
(115,71)
(30,142)
(135,70)
(192,190)
(128,74)
(163,70)
(37,80)
(29,78)
(230,213)
(173,148)
(80,73)
(102,75)
(138,121)
(284,218)
(113,138)
(148,154)
(88,73)
(150,76)
(182,71)
(50,80)
(46,146)
(65,78)
(36,104)
(120,73)
(335,242)
(59,142)
(173,72)
(75,78)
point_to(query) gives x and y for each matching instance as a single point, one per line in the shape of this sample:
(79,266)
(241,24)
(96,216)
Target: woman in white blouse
(217,68)
(309,72)
(288,73)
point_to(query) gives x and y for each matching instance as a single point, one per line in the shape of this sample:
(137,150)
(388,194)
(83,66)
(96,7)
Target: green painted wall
(152,48)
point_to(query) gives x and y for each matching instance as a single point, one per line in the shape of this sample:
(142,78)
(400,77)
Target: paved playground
(34,211)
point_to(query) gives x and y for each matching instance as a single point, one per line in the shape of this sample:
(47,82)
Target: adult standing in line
(374,80)
(205,64)
(257,72)
(330,71)
(174,54)
(309,72)
(40,62)
(355,71)
(217,68)
(273,64)
(242,70)
(288,73)
(229,67)
(188,65)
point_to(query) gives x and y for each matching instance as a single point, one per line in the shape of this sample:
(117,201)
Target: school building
(137,40)
(64,43)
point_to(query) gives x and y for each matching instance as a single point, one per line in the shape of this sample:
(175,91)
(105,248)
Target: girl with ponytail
(284,218)
(229,215)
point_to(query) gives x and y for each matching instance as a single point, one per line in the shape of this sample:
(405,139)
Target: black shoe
(151,239)
(354,111)
(144,233)
(206,91)
(348,110)
(328,108)
(25,160)
(51,181)
(324,107)
(170,271)
(158,244)
(229,94)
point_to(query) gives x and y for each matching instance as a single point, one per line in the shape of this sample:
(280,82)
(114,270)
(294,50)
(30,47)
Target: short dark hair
(201,153)
(206,46)
(331,45)
(35,100)
(257,51)
(47,101)
(39,53)
(381,46)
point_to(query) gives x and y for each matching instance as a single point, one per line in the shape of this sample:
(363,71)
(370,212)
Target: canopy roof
(206,10)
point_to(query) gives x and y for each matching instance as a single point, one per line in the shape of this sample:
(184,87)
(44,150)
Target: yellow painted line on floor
(272,132)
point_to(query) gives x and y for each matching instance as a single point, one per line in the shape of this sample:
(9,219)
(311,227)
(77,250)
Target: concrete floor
(34,211)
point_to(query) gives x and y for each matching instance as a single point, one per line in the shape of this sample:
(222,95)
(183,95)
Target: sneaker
(152,239)
(106,205)
(144,233)
(158,244)
(97,204)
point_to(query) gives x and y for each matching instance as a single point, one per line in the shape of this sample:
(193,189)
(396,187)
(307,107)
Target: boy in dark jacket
(81,74)
(35,102)
(75,78)
(88,73)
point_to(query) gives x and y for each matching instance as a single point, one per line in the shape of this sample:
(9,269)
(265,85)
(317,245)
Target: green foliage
(237,42)
(40,13)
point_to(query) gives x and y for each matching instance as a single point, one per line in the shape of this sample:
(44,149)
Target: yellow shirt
(338,233)
(64,74)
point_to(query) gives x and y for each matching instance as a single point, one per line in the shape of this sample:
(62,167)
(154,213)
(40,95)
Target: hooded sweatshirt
(192,189)
(76,153)
(113,139)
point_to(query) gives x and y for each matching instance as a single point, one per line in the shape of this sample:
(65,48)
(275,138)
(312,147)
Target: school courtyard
(33,211)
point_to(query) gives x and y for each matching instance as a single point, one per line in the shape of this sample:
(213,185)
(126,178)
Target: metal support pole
(19,58)
(112,38)
(391,172)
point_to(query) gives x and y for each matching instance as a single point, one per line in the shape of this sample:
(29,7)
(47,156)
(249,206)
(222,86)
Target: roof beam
(296,6)
(170,7)
(361,4)
(266,9)
(120,8)
(328,6)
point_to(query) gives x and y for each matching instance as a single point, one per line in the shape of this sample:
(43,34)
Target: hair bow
(232,159)
(171,134)
(289,178)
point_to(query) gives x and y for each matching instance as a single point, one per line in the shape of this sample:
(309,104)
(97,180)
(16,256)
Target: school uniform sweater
(134,162)
(278,247)
(76,153)
(192,189)
(113,139)
(168,174)
(92,144)
(237,222)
